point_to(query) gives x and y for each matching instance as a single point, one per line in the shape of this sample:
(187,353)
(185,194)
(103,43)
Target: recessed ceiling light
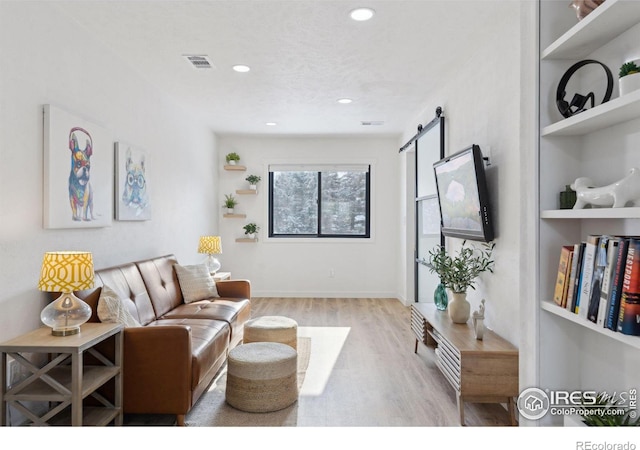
(362,14)
(241,68)
(271,124)
(345,101)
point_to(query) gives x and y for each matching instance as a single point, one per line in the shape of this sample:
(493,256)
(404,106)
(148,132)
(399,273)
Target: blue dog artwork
(80,190)
(134,199)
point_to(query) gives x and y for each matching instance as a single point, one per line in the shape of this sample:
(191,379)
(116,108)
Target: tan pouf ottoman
(272,329)
(262,377)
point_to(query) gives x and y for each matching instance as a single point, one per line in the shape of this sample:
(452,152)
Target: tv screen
(463,196)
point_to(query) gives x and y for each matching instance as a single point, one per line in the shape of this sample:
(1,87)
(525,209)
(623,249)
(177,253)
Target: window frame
(319,234)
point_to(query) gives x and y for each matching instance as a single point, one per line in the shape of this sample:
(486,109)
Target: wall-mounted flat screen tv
(463,196)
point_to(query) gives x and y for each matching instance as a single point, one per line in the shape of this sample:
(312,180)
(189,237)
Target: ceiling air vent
(372,123)
(199,61)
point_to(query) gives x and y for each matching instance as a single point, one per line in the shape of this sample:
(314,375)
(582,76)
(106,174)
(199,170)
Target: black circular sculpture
(579,101)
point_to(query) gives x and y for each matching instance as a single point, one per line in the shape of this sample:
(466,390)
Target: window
(319,201)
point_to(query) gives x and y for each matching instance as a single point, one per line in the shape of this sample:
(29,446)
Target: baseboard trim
(308,294)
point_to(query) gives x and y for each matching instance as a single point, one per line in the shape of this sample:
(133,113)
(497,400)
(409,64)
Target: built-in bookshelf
(600,143)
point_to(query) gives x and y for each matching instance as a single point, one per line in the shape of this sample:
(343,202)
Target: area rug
(212,410)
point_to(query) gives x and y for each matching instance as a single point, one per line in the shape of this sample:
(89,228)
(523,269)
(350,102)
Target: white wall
(481,106)
(45,58)
(301,267)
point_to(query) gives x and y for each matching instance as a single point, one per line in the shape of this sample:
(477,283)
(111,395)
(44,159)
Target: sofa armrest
(157,369)
(240,289)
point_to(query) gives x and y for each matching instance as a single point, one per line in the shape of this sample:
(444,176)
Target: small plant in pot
(232,158)
(460,273)
(230,203)
(250,230)
(253,181)
(629,77)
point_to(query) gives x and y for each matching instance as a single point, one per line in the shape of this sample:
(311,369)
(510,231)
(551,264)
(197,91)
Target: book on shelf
(629,314)
(576,276)
(562,278)
(599,267)
(613,307)
(607,279)
(588,265)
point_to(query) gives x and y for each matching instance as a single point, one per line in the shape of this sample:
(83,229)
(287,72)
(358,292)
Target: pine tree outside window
(319,201)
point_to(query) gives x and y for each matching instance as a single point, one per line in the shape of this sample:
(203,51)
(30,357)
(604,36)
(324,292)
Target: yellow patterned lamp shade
(211,245)
(66,272)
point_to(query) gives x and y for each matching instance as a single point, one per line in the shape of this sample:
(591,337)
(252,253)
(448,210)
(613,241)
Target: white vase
(459,308)
(251,235)
(253,187)
(230,210)
(629,83)
(232,162)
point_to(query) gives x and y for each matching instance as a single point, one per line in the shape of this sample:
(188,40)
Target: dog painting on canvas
(80,190)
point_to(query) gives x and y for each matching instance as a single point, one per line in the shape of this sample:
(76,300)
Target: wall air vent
(199,61)
(367,123)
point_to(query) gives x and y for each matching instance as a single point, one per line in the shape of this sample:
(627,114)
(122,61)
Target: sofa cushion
(234,312)
(209,342)
(111,309)
(196,283)
(126,282)
(162,283)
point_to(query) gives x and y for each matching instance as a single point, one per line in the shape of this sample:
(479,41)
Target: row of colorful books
(599,280)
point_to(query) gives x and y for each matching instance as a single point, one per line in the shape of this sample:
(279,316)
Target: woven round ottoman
(272,329)
(262,377)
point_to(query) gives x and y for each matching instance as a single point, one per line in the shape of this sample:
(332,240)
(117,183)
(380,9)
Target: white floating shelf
(592,213)
(606,22)
(551,307)
(613,112)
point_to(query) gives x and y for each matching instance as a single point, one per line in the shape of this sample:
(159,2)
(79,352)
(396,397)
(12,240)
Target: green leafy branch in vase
(459,273)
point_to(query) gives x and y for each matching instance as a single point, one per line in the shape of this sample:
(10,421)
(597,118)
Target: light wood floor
(377,379)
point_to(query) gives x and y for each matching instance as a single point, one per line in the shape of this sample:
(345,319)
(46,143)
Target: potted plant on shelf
(459,273)
(232,158)
(629,77)
(230,203)
(253,181)
(250,230)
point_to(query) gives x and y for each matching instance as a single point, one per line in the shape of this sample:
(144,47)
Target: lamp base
(67,332)
(65,315)
(212,264)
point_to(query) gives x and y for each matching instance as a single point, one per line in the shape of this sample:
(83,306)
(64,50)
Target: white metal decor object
(478,321)
(615,195)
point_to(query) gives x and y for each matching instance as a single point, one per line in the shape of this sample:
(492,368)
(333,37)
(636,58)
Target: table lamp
(211,245)
(66,272)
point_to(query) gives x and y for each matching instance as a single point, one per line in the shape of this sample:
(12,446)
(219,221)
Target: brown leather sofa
(170,361)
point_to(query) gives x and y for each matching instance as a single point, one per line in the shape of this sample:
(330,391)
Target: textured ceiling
(304,56)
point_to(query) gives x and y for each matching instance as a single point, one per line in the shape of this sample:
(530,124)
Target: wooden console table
(483,371)
(64,381)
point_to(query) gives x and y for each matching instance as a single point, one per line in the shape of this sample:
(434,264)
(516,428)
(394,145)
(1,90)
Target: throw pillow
(196,283)
(111,309)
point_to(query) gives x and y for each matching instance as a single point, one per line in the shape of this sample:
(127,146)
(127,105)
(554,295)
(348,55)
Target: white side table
(220,276)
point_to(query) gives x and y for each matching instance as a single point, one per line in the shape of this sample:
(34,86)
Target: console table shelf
(481,371)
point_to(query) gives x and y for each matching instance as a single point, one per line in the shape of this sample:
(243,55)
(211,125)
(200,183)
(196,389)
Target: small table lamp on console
(211,245)
(66,272)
